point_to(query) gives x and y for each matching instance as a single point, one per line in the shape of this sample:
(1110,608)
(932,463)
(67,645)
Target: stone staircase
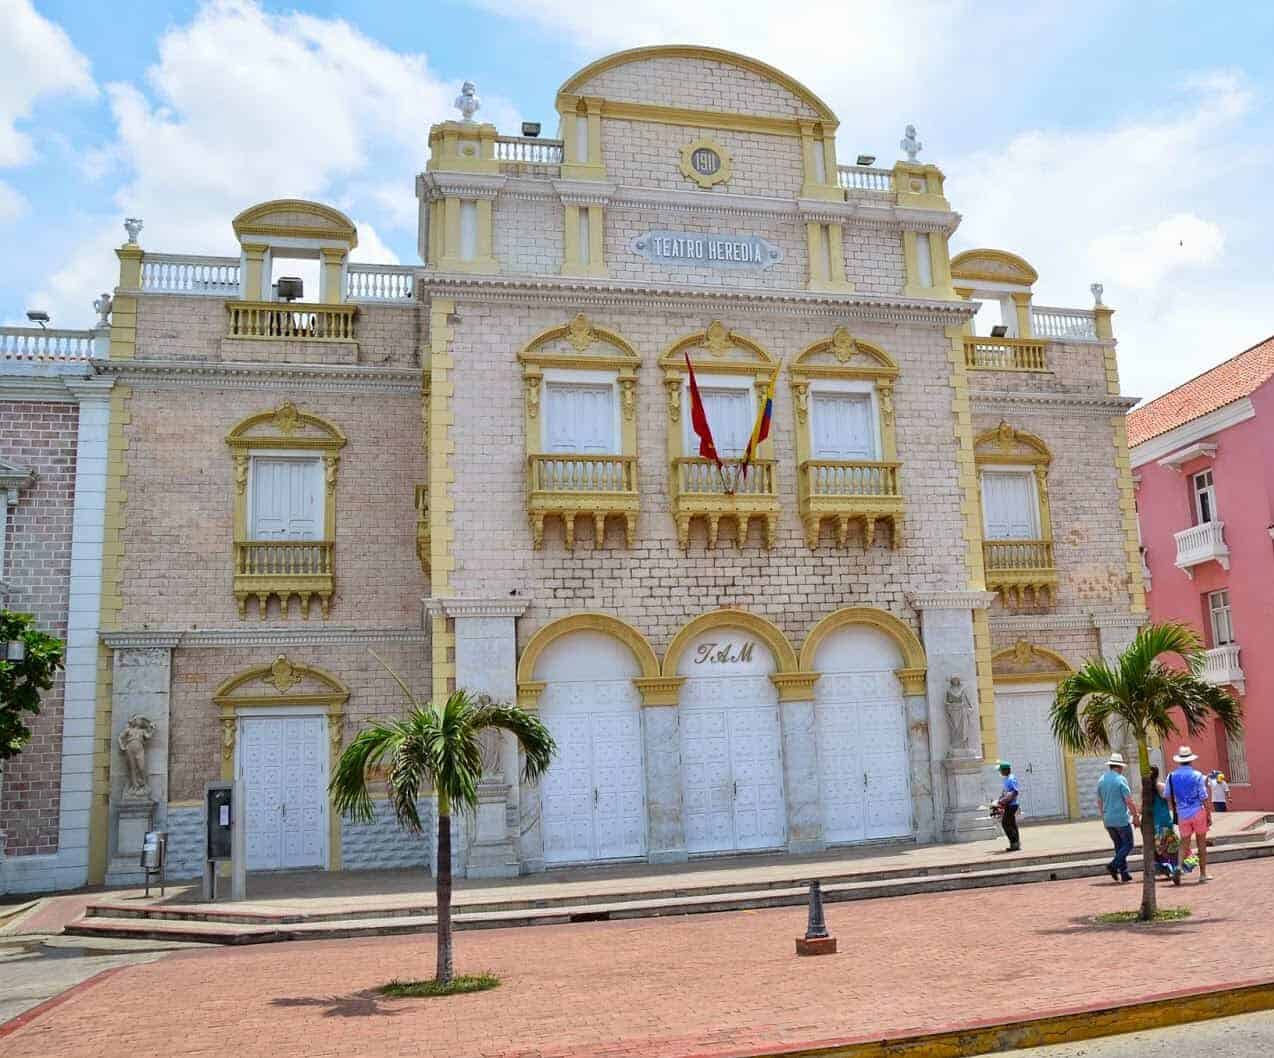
(231,924)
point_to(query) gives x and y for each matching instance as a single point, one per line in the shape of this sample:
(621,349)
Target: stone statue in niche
(132,743)
(962,718)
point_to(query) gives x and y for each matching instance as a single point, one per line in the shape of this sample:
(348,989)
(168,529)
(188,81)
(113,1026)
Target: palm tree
(1139,695)
(434,747)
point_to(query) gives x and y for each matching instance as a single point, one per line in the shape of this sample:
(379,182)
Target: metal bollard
(817,941)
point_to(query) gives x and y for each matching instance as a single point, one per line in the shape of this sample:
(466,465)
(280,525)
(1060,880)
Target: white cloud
(1142,257)
(244,105)
(371,248)
(38,60)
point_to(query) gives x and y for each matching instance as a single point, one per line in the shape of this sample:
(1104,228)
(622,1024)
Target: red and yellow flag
(699,419)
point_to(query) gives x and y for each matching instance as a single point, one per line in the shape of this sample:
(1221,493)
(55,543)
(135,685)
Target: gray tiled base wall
(185,842)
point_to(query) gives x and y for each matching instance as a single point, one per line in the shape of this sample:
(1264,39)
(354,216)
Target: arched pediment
(1025,662)
(281,681)
(1005,444)
(287,426)
(843,356)
(592,80)
(295,218)
(587,622)
(915,663)
(718,350)
(784,656)
(580,343)
(994,266)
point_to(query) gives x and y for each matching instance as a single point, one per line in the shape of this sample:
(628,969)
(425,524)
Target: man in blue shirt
(1008,804)
(1119,813)
(1188,796)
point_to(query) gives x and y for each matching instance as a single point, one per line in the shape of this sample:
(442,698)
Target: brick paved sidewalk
(666,988)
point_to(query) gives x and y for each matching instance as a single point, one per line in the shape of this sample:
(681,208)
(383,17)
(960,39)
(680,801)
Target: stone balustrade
(44,344)
(1006,354)
(1221,667)
(566,485)
(1016,568)
(701,489)
(291,321)
(283,568)
(164,273)
(1063,324)
(844,491)
(529,155)
(390,283)
(1199,544)
(865,178)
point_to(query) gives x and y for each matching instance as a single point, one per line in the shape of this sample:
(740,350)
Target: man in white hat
(1119,813)
(1188,797)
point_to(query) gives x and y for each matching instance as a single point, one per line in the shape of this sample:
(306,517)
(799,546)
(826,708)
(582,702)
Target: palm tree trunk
(1149,900)
(444,970)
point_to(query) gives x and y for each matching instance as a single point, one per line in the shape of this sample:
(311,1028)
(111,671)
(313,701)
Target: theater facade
(482,471)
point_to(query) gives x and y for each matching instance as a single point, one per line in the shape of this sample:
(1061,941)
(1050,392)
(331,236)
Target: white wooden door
(580,417)
(732,764)
(730,414)
(843,426)
(863,759)
(286,499)
(1026,742)
(283,764)
(1010,510)
(592,798)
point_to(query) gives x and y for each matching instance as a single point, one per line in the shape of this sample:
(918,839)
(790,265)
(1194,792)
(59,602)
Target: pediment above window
(1005,444)
(580,343)
(843,356)
(286,426)
(718,350)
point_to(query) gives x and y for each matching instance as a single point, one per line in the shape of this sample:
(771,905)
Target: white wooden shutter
(287,499)
(843,426)
(730,415)
(1010,510)
(580,418)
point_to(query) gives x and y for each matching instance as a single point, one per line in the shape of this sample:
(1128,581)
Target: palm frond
(365,752)
(1153,641)
(1097,682)
(1198,701)
(533,736)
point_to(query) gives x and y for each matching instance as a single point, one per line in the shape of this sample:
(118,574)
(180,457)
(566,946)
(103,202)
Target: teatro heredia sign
(697,249)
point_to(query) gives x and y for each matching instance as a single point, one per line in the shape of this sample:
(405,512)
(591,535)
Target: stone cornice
(567,292)
(314,378)
(584,192)
(951,600)
(53,388)
(1120,620)
(1078,622)
(499,606)
(261,637)
(469,185)
(1094,403)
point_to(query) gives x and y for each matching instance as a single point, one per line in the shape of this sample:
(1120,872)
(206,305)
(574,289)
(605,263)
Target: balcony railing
(1020,568)
(1221,667)
(291,321)
(43,345)
(529,154)
(699,488)
(864,178)
(597,486)
(1006,354)
(1063,324)
(283,568)
(216,277)
(844,491)
(392,283)
(1199,544)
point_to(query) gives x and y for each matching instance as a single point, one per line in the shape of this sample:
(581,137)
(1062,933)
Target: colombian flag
(761,430)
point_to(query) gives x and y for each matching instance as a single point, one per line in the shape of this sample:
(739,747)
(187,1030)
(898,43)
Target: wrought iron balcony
(1221,667)
(566,486)
(701,489)
(1015,568)
(283,568)
(1199,544)
(846,490)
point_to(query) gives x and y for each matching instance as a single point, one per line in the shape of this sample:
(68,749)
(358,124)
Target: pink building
(1205,500)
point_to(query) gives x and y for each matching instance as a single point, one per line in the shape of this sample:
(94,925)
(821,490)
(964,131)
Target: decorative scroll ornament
(1023,652)
(283,676)
(241,474)
(674,398)
(579,332)
(886,403)
(628,388)
(227,738)
(802,393)
(287,420)
(843,345)
(532,396)
(716,338)
(1005,436)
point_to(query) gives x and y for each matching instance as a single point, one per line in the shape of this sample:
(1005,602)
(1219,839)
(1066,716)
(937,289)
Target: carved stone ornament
(287,420)
(102,306)
(227,738)
(802,393)
(241,474)
(962,718)
(468,102)
(886,392)
(628,390)
(283,677)
(716,338)
(1023,652)
(674,398)
(133,226)
(843,345)
(532,396)
(331,463)
(1005,436)
(909,144)
(132,743)
(579,332)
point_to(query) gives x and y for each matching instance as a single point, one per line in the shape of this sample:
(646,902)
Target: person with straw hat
(1119,813)
(1191,804)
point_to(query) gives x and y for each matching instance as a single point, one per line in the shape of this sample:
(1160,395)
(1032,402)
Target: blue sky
(1129,143)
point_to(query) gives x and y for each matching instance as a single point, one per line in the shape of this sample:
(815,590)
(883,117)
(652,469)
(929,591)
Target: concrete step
(574,893)
(215,927)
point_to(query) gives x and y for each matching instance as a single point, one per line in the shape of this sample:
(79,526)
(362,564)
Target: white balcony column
(1199,544)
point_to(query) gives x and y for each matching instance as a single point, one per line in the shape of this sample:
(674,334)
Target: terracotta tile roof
(1237,377)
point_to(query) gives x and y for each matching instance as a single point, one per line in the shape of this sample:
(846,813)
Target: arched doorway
(592,798)
(731,740)
(1026,678)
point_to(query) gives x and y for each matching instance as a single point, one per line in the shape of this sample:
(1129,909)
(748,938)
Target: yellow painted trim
(587,622)
(286,419)
(329,223)
(1061,667)
(440,394)
(994,446)
(784,655)
(688,117)
(913,652)
(659,690)
(795,686)
(707,180)
(573,84)
(1128,512)
(986,685)
(982,264)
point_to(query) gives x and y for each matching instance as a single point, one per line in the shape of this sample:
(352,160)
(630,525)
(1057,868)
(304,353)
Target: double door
(732,763)
(284,767)
(592,798)
(1022,720)
(862,757)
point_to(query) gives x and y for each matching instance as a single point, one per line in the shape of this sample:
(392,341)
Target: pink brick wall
(40,436)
